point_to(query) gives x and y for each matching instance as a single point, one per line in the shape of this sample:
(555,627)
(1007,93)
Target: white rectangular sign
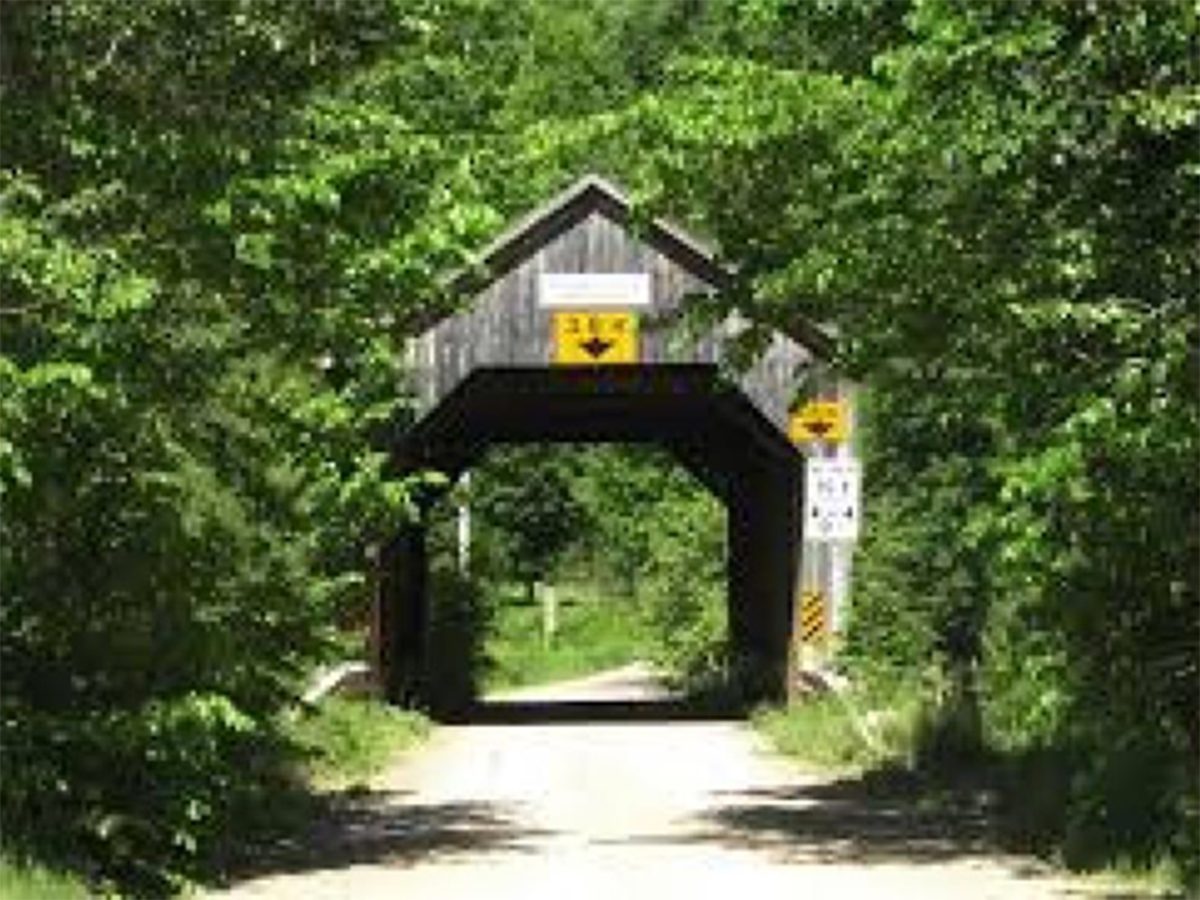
(593,290)
(832,498)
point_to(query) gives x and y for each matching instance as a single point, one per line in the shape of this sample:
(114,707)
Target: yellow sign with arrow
(595,338)
(819,420)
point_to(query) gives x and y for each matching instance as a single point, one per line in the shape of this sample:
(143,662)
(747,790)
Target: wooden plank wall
(504,327)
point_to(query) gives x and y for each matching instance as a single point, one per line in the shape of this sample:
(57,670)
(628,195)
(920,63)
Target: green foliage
(525,511)
(622,492)
(346,741)
(220,220)
(916,605)
(627,520)
(156,537)
(859,730)
(684,589)
(180,490)
(147,796)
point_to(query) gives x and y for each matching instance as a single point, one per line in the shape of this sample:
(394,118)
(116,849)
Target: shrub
(346,740)
(683,592)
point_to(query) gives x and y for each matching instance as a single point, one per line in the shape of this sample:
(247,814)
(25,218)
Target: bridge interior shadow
(574,712)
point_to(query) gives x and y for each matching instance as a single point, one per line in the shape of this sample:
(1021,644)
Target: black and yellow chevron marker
(812,617)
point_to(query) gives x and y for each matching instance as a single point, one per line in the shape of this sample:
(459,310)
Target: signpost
(832,492)
(595,338)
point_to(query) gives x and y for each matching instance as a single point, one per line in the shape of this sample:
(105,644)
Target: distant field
(593,633)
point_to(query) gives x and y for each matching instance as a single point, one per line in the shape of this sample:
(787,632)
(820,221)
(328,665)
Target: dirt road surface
(571,810)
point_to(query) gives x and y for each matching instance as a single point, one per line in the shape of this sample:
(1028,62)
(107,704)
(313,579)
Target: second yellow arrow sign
(819,420)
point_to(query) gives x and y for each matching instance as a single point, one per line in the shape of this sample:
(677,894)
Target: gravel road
(571,809)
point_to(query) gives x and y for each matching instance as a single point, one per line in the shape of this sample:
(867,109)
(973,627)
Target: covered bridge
(576,331)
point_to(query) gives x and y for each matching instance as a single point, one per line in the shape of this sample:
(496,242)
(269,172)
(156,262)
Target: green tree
(528,516)
(180,488)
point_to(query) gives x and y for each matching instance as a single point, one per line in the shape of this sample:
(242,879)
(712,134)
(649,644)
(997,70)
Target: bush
(144,799)
(345,741)
(684,593)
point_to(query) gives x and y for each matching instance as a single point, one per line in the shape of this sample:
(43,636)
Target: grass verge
(1130,880)
(338,745)
(29,882)
(845,732)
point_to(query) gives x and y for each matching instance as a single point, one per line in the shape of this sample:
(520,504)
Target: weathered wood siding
(503,325)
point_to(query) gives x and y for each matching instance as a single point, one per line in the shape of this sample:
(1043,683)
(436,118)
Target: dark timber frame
(484,376)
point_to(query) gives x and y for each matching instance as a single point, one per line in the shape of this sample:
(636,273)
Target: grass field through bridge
(594,632)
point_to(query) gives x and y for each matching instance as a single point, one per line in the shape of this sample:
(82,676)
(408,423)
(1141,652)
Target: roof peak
(586,195)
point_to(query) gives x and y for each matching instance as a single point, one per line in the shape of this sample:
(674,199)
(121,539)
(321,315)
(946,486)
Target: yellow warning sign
(818,420)
(595,338)
(812,617)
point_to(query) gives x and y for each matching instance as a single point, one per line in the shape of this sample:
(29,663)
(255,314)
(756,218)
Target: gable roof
(588,195)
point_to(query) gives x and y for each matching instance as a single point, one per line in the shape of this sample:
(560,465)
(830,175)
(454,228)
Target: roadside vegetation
(849,731)
(220,222)
(343,742)
(32,882)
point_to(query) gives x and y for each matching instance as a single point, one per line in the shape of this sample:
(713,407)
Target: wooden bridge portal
(576,331)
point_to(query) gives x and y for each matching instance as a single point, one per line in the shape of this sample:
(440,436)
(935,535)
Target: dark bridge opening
(693,412)
(570,712)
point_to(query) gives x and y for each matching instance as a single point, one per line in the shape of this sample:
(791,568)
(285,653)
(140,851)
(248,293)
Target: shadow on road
(852,820)
(568,712)
(379,827)
(880,818)
(849,820)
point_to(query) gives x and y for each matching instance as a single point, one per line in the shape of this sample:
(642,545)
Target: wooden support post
(382,615)
(763,529)
(401,615)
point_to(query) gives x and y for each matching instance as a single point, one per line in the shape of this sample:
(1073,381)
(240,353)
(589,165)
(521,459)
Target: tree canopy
(221,219)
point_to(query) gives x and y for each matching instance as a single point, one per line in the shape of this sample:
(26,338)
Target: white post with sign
(831,520)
